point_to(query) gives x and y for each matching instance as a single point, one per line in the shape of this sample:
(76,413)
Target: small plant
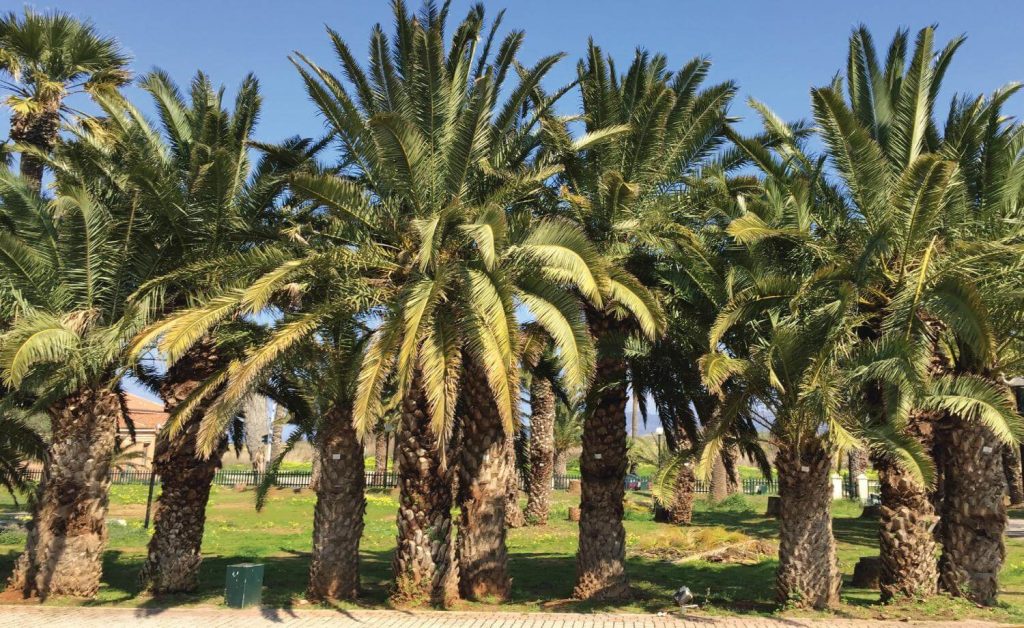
(736,502)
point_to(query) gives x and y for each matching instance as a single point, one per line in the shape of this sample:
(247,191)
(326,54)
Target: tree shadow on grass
(547,579)
(284,581)
(854,531)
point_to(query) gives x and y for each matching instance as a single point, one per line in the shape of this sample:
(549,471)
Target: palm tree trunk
(1012,469)
(562,463)
(808,573)
(719,480)
(857,463)
(542,451)
(973,513)
(338,515)
(68,534)
(483,485)
(380,452)
(175,550)
(39,129)
(906,538)
(732,472)
(601,557)
(514,517)
(424,561)
(680,511)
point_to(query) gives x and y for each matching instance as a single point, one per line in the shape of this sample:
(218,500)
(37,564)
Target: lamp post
(657,436)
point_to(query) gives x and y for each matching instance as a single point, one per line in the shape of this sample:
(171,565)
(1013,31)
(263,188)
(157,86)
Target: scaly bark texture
(906,537)
(542,451)
(808,574)
(857,461)
(679,510)
(561,463)
(380,452)
(1012,469)
(39,129)
(64,551)
(601,557)
(338,515)
(175,550)
(719,480)
(732,472)
(483,485)
(424,560)
(973,513)
(514,517)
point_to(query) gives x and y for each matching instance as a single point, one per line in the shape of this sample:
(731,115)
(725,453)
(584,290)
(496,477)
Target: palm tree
(792,370)
(884,232)
(542,379)
(624,194)
(452,173)
(567,434)
(68,264)
(981,313)
(307,362)
(47,57)
(914,258)
(194,173)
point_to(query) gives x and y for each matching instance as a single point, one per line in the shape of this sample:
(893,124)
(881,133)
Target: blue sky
(775,50)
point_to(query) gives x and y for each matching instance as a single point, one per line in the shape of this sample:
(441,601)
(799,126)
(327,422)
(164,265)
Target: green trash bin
(244,585)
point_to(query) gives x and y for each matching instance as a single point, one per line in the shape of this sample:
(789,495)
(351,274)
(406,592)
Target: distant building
(147,417)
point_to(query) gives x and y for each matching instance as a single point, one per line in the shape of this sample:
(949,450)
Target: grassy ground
(542,559)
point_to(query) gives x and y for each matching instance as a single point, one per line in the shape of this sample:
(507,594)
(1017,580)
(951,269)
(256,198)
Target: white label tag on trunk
(597,456)
(805,469)
(335,456)
(986,449)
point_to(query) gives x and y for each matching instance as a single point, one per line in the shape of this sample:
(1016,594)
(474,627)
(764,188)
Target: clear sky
(775,50)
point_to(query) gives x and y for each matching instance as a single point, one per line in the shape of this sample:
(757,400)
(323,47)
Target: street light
(657,433)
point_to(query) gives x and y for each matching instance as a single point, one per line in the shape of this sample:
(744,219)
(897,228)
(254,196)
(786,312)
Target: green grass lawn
(541,558)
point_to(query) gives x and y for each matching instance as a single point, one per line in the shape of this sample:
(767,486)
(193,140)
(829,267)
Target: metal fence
(375,480)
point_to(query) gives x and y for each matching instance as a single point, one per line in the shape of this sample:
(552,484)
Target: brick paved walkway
(33,616)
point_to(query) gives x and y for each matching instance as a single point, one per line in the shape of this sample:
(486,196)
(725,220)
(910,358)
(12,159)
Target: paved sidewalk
(33,616)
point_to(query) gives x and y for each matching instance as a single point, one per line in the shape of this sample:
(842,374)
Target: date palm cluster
(455,251)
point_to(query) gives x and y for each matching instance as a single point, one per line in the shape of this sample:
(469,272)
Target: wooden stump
(575,487)
(574,513)
(774,507)
(866,572)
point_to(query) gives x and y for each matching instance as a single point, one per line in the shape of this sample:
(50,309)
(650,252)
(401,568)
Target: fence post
(862,488)
(837,486)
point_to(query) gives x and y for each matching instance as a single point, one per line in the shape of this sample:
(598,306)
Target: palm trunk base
(973,514)
(542,451)
(486,479)
(338,515)
(68,535)
(424,562)
(906,539)
(601,557)
(514,515)
(808,574)
(175,550)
